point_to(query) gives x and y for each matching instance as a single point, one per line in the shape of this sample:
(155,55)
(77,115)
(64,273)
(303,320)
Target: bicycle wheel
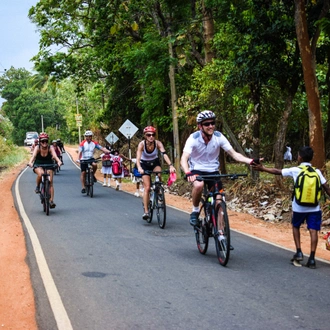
(87,185)
(47,197)
(222,240)
(151,207)
(161,208)
(201,231)
(42,196)
(91,184)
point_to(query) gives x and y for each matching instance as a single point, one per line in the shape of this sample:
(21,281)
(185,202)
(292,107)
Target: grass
(11,155)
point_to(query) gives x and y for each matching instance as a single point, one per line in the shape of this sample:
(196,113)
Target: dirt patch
(17,306)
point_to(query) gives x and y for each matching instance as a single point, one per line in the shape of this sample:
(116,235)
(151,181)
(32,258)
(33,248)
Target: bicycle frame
(89,176)
(45,186)
(157,198)
(213,219)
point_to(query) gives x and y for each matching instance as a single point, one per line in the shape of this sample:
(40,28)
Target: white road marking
(60,314)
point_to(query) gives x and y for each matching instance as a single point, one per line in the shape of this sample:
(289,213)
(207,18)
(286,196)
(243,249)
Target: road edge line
(61,317)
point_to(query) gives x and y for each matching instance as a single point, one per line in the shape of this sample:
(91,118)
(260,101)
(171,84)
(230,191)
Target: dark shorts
(149,165)
(313,219)
(83,166)
(210,184)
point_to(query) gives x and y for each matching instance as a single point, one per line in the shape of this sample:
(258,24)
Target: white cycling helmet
(88,133)
(206,114)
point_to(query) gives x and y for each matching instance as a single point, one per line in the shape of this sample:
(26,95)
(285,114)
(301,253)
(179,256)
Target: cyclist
(60,145)
(147,160)
(201,156)
(44,154)
(57,150)
(36,142)
(86,152)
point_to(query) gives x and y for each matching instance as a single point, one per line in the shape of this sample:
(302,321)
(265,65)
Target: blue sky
(19,38)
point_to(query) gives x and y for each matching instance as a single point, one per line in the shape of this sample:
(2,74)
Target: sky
(19,37)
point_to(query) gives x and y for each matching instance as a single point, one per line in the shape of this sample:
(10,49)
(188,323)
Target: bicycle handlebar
(157,172)
(89,161)
(211,177)
(45,166)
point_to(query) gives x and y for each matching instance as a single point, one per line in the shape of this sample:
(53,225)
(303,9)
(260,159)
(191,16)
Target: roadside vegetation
(11,155)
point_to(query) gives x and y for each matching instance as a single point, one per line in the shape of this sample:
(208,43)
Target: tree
(307,51)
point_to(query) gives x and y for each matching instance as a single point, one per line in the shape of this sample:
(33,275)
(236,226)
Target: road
(95,264)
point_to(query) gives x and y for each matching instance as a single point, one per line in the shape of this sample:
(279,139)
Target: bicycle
(157,199)
(89,176)
(45,186)
(208,225)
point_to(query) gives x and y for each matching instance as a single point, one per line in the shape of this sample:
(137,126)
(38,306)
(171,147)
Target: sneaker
(311,264)
(95,180)
(83,191)
(52,205)
(37,190)
(117,188)
(298,256)
(137,194)
(194,218)
(109,185)
(104,184)
(146,216)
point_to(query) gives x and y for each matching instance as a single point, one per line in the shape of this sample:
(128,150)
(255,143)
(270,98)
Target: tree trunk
(255,96)
(174,105)
(313,99)
(208,32)
(280,138)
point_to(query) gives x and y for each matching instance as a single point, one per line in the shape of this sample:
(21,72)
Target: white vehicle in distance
(30,137)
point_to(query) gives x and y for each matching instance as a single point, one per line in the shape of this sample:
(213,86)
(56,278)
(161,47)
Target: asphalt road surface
(95,264)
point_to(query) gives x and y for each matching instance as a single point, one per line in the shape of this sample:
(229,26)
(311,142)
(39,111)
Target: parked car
(30,137)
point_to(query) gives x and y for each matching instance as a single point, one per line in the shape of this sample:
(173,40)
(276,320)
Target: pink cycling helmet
(149,129)
(43,136)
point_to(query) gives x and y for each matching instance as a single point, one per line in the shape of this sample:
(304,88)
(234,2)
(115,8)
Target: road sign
(78,117)
(79,123)
(128,129)
(112,138)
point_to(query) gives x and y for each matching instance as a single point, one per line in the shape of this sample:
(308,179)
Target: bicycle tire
(151,207)
(91,183)
(42,197)
(161,208)
(202,231)
(222,246)
(47,197)
(87,185)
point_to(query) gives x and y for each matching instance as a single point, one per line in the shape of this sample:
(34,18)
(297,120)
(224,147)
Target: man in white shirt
(201,156)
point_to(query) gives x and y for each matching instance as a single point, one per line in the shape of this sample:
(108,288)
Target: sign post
(128,129)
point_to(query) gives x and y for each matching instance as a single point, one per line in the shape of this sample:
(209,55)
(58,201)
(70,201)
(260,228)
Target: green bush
(11,154)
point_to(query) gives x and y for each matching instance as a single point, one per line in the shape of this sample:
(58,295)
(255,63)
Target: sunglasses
(44,141)
(210,123)
(150,134)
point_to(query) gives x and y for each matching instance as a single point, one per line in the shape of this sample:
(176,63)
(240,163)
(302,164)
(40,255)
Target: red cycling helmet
(43,136)
(149,129)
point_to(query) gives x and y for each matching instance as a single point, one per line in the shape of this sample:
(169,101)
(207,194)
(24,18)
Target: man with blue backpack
(308,184)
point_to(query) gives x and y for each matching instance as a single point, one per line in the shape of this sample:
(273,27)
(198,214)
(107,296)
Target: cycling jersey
(205,157)
(149,156)
(87,149)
